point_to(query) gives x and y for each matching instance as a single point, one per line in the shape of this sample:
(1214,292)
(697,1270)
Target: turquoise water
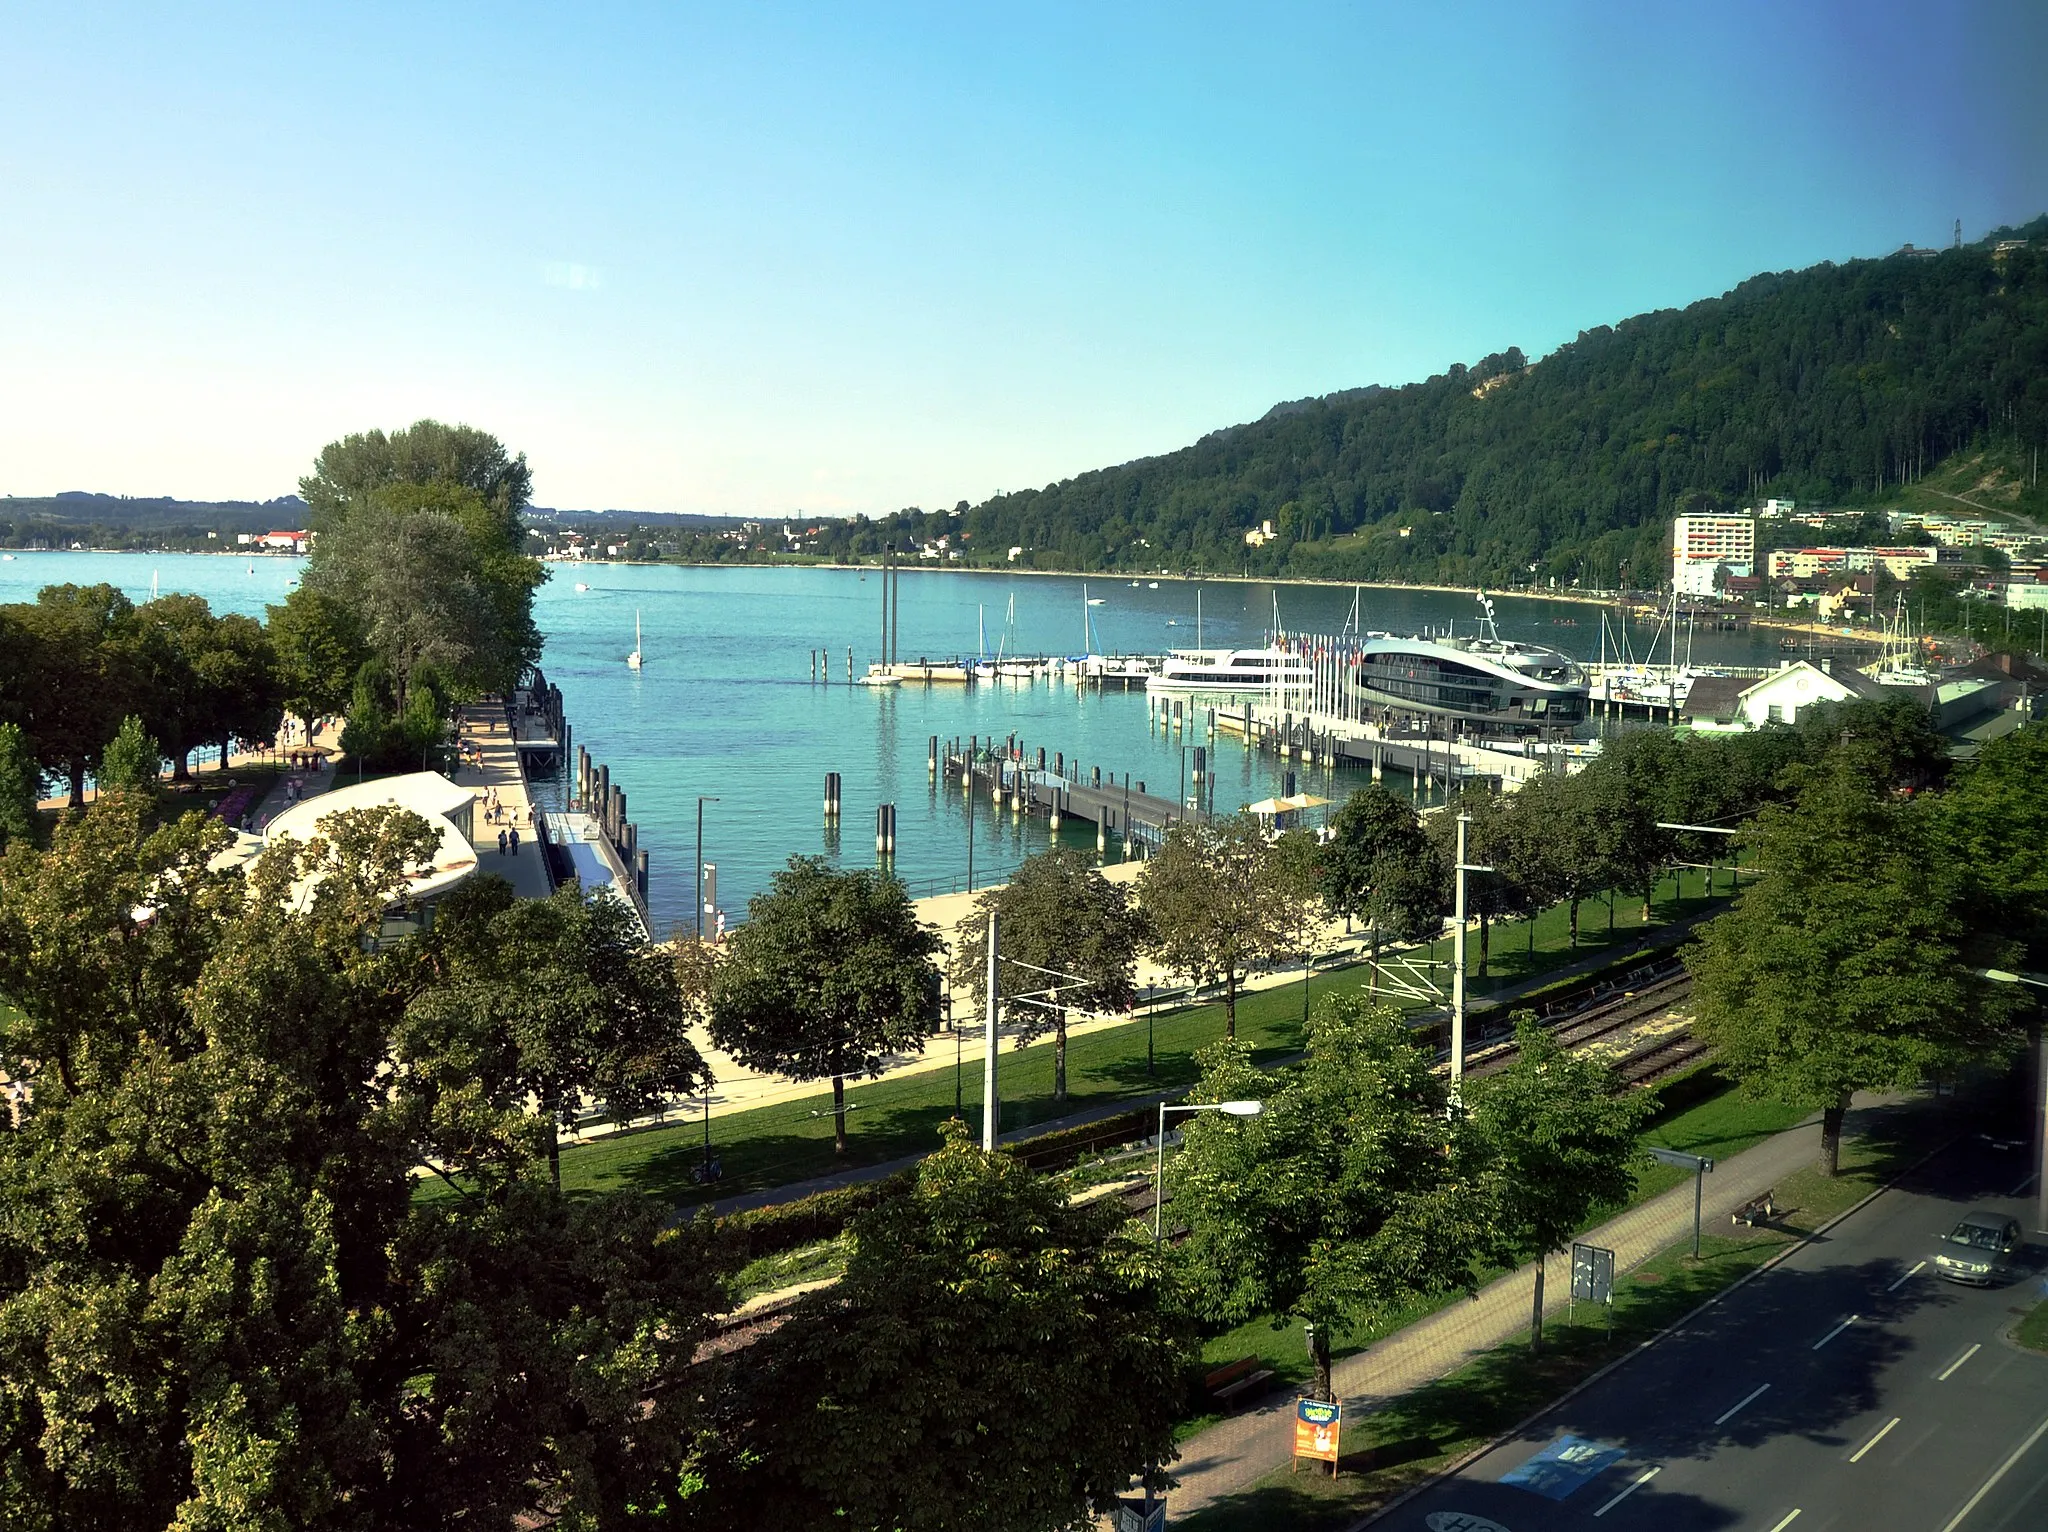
(725,705)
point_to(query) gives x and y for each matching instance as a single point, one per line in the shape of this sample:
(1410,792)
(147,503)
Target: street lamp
(1229,1108)
(700,864)
(2040,1093)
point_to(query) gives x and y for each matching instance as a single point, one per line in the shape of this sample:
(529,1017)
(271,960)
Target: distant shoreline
(1575,598)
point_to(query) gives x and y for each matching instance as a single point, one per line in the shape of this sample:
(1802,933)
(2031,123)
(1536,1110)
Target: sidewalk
(1236,1453)
(484,725)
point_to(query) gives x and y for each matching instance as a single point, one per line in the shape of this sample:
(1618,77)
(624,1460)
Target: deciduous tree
(1219,901)
(20,787)
(1840,968)
(829,976)
(1342,1200)
(1069,939)
(994,1357)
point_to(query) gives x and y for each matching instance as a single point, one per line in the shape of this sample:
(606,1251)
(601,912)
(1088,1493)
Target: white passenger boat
(1245,672)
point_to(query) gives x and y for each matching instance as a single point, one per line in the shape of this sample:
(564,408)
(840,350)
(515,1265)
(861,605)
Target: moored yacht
(1488,681)
(1254,672)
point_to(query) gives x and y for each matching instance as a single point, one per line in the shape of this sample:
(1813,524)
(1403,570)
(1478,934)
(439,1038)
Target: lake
(725,706)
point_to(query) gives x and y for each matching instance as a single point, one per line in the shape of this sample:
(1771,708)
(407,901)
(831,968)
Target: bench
(1755,1211)
(1230,1383)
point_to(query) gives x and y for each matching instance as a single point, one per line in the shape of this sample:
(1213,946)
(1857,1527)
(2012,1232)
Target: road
(1845,1388)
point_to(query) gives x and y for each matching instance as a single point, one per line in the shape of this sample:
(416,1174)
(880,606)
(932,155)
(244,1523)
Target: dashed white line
(1838,1329)
(1991,1483)
(1634,1484)
(1882,1432)
(1790,1517)
(1737,1407)
(1952,1366)
(1907,1277)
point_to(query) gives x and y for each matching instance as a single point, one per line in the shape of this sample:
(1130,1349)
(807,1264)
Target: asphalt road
(1846,1388)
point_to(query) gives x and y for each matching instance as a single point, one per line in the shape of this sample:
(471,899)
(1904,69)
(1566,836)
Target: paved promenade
(498,780)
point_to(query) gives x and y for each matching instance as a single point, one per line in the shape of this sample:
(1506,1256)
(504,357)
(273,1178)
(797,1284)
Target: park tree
(210,679)
(1342,1200)
(1842,967)
(830,975)
(1556,1139)
(20,787)
(1069,941)
(85,674)
(562,1002)
(221,1304)
(420,534)
(1888,741)
(321,647)
(1378,867)
(1558,846)
(1635,783)
(132,761)
(1489,842)
(1993,820)
(994,1357)
(1219,901)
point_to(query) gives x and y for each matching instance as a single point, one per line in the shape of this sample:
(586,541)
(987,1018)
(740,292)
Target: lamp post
(2039,1048)
(700,864)
(1230,1108)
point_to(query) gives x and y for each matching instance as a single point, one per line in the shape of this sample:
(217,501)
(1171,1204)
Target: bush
(1063,1146)
(808,1220)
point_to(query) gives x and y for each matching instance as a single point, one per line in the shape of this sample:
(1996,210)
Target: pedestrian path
(1233,1455)
(491,768)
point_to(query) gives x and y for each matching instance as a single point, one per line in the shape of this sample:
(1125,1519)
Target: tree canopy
(829,976)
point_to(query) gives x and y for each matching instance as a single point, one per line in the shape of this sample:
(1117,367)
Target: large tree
(1378,868)
(1068,942)
(1556,1137)
(995,1357)
(829,976)
(350,471)
(1220,901)
(221,1304)
(212,679)
(560,1000)
(1342,1199)
(20,787)
(321,647)
(85,672)
(1842,966)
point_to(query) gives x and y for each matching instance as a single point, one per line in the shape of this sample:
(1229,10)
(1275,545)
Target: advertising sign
(1316,1425)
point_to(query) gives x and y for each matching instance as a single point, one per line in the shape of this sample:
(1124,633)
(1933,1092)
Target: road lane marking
(1722,1420)
(1907,1277)
(1790,1517)
(1882,1432)
(1952,1366)
(2023,1185)
(1992,1483)
(1838,1329)
(1635,1484)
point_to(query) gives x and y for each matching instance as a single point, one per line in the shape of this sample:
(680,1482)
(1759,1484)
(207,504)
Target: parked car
(1979,1250)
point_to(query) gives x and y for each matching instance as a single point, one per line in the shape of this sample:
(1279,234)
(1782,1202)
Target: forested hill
(1832,384)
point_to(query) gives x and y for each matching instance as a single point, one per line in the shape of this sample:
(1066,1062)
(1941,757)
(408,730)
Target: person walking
(515,840)
(501,843)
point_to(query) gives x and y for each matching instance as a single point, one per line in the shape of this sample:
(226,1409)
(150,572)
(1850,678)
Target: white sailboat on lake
(633,659)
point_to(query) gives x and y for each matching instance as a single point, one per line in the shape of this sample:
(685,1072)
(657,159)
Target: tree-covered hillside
(1837,384)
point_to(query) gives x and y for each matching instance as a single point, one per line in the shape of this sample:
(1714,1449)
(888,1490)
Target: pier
(1025,782)
(593,840)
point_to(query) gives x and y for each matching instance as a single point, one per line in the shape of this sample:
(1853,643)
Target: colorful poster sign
(1316,1425)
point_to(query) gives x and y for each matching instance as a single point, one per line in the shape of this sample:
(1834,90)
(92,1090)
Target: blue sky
(760,258)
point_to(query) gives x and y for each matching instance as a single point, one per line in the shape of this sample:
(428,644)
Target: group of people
(508,840)
(306,760)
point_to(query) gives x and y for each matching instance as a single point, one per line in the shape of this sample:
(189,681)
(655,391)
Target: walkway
(1233,1455)
(484,727)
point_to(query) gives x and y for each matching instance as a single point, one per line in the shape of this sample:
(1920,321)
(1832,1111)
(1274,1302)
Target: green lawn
(2032,1332)
(777,1145)
(1392,1450)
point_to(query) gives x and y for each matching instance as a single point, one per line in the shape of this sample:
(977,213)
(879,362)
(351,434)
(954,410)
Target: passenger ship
(1488,681)
(1245,672)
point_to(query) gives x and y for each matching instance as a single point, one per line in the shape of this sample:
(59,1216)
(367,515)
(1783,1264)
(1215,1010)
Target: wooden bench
(1755,1211)
(1230,1383)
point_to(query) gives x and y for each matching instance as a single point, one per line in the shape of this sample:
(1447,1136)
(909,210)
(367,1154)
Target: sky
(761,259)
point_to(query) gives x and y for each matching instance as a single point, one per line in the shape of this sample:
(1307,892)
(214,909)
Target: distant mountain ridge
(1838,383)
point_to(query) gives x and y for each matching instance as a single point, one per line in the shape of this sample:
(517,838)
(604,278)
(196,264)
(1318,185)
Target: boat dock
(1025,782)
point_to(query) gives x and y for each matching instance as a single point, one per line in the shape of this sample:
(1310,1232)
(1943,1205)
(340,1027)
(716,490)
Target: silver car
(1978,1250)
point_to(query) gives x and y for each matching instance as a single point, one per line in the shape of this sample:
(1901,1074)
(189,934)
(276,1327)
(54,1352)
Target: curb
(1452,1470)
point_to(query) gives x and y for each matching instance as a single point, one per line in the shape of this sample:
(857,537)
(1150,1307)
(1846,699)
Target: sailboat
(633,659)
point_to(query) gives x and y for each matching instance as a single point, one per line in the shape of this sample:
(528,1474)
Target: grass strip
(791,1141)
